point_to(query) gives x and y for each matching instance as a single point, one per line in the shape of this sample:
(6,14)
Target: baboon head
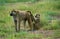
(13,13)
(37,16)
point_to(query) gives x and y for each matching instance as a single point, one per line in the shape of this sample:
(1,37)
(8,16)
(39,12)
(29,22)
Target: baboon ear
(17,11)
(13,10)
(39,14)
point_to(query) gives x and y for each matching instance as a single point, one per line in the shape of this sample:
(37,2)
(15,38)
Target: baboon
(36,24)
(19,16)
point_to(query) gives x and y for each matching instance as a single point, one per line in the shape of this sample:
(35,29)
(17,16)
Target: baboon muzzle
(11,14)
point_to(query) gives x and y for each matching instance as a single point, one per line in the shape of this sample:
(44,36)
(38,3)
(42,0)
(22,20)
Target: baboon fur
(36,23)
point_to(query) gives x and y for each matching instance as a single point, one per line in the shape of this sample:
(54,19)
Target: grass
(56,33)
(44,8)
(14,1)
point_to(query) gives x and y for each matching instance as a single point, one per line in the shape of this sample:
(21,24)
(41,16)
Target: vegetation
(48,9)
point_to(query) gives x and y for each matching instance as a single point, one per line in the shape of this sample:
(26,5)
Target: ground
(40,34)
(49,11)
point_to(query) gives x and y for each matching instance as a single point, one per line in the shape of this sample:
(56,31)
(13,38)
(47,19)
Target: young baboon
(36,23)
(19,16)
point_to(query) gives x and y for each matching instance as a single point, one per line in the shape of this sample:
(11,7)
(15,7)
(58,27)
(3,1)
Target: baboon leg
(30,24)
(18,24)
(15,21)
(25,24)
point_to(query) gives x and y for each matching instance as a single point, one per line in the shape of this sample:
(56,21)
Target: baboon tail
(32,17)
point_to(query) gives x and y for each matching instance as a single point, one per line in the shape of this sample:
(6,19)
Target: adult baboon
(36,23)
(19,16)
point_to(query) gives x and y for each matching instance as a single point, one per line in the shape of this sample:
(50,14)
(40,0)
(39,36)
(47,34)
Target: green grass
(14,1)
(45,8)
